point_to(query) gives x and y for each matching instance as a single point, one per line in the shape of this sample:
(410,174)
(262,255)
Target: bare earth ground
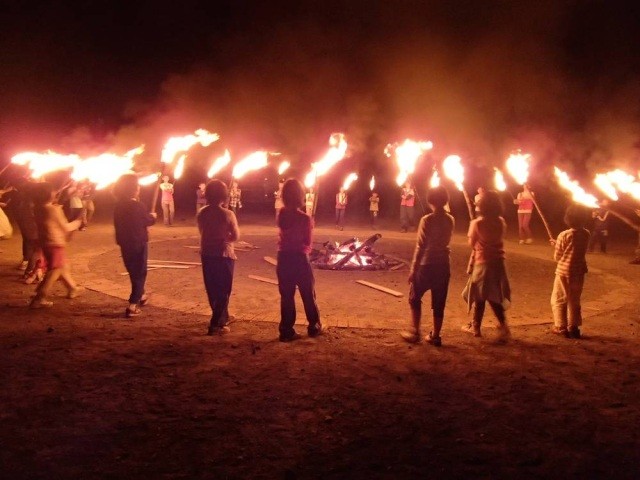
(88,394)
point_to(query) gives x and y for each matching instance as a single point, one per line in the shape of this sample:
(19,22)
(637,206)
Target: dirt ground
(88,394)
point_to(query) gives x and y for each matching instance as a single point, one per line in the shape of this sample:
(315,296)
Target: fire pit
(352,255)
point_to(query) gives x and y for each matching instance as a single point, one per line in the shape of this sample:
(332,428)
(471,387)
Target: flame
(518,167)
(336,152)
(604,183)
(219,163)
(42,163)
(105,169)
(577,192)
(498,181)
(284,166)
(255,161)
(454,171)
(179,170)
(148,179)
(407,154)
(175,145)
(352,177)
(372,183)
(618,180)
(435,180)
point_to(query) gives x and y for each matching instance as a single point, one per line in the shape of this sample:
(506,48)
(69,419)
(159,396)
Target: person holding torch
(407,202)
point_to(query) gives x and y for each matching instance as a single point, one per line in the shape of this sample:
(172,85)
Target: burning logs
(351,255)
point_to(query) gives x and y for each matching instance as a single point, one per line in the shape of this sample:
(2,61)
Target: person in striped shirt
(570,250)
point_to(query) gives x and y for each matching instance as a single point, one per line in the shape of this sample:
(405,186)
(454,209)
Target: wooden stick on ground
(148,270)
(271,260)
(264,279)
(380,288)
(175,262)
(178,267)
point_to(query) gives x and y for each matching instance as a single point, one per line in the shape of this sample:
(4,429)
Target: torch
(453,169)
(625,182)
(337,151)
(219,163)
(283,167)
(518,167)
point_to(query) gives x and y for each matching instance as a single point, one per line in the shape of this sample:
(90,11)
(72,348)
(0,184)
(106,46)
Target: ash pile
(353,254)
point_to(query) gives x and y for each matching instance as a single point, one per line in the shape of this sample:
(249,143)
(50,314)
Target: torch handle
(5,167)
(468,202)
(544,220)
(624,220)
(315,196)
(154,199)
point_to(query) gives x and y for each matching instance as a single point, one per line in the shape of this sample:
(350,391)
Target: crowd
(46,226)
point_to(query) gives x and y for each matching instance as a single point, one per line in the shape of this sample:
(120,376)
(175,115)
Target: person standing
(524,200)
(53,230)
(293,269)
(74,195)
(430,267)
(278,204)
(235,197)
(374,207)
(476,199)
(87,192)
(218,228)
(131,221)
(570,250)
(488,281)
(201,200)
(310,202)
(341,206)
(167,201)
(600,232)
(407,202)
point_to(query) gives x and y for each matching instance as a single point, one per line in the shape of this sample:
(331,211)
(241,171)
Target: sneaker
(529,241)
(40,303)
(290,338)
(34,277)
(75,291)
(435,341)
(144,300)
(560,331)
(22,265)
(473,330)
(315,330)
(132,312)
(410,337)
(574,332)
(218,330)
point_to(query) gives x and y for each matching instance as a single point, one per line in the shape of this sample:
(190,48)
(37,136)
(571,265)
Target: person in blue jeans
(131,220)
(294,270)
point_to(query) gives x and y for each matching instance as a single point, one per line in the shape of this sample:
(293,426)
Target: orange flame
(518,167)
(618,180)
(337,151)
(148,179)
(498,181)
(435,180)
(372,183)
(177,173)
(352,177)
(284,166)
(578,193)
(42,163)
(454,171)
(219,163)
(407,154)
(255,161)
(175,145)
(105,169)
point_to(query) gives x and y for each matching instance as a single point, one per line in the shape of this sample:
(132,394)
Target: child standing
(201,201)
(310,202)
(293,268)
(374,207)
(167,202)
(53,230)
(570,253)
(218,228)
(235,197)
(524,200)
(430,267)
(600,227)
(131,220)
(488,281)
(341,206)
(278,198)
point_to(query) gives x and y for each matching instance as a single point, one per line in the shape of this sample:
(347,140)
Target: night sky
(557,78)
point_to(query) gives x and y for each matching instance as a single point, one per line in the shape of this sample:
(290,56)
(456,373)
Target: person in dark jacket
(131,219)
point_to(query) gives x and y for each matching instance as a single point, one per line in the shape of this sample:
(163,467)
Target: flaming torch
(605,182)
(284,166)
(518,167)
(372,183)
(578,194)
(337,151)
(148,179)
(435,179)
(219,163)
(352,177)
(105,169)
(454,171)
(255,161)
(407,154)
(41,164)
(179,170)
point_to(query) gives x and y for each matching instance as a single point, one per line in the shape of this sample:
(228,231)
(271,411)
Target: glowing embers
(351,255)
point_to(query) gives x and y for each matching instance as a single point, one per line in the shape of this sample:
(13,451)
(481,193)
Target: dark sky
(558,78)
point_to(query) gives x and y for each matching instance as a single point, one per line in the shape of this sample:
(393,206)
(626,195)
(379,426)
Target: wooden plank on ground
(174,262)
(176,267)
(380,288)
(148,270)
(195,247)
(271,260)
(264,279)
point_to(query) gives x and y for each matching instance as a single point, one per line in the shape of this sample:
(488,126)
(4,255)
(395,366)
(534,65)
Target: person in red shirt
(294,270)
(341,205)
(407,203)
